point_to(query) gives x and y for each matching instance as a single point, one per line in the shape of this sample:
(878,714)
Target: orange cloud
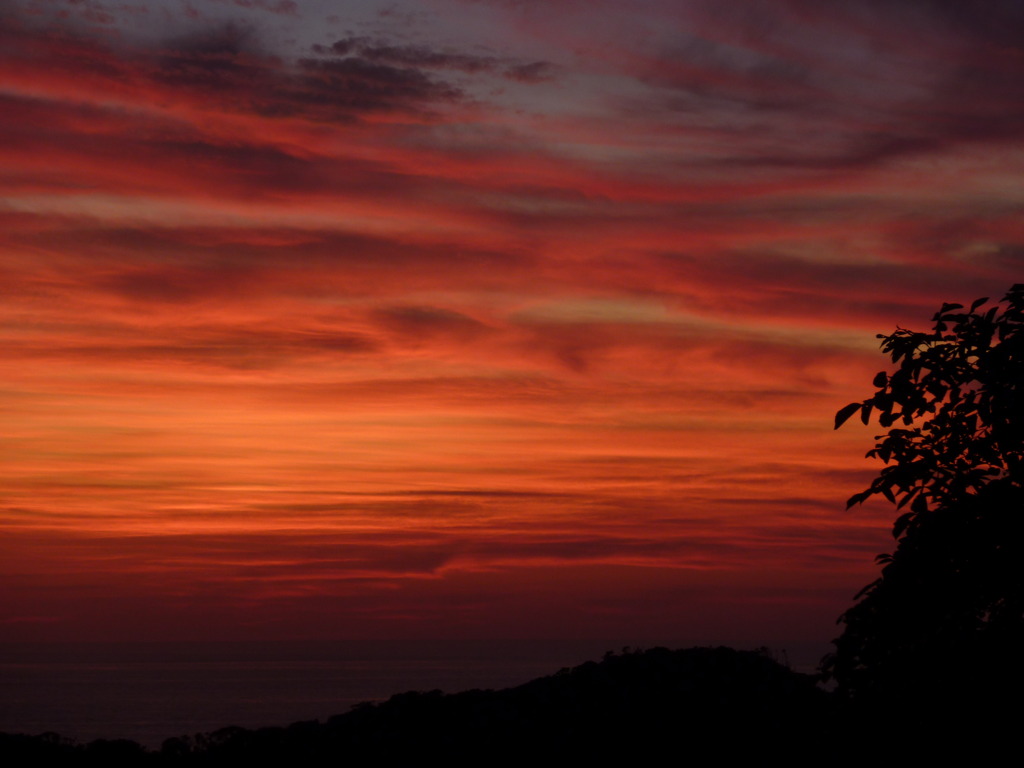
(384,336)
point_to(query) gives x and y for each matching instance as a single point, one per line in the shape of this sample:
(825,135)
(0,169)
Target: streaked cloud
(490,316)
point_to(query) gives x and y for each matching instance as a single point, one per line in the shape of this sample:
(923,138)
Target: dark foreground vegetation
(640,704)
(935,645)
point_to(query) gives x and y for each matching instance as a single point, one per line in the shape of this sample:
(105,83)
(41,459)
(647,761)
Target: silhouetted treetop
(958,396)
(939,636)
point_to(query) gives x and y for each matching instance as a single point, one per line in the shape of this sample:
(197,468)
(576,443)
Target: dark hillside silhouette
(640,707)
(937,639)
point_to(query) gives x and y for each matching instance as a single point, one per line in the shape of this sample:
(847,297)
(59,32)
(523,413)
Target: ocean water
(151,692)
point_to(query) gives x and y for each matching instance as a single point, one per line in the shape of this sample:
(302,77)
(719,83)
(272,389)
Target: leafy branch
(956,396)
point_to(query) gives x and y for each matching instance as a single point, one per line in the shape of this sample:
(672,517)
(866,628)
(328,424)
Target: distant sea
(148,692)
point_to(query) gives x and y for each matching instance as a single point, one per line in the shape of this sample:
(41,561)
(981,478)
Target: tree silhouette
(944,623)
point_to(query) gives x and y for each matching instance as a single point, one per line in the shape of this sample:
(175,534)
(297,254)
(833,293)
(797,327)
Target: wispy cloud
(502,311)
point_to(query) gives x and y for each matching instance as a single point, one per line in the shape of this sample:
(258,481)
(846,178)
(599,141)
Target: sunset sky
(474,319)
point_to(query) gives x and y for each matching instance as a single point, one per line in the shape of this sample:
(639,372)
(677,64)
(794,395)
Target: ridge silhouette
(702,703)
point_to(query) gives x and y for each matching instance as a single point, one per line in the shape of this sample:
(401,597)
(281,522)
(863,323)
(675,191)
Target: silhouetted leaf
(845,413)
(857,498)
(901,524)
(908,497)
